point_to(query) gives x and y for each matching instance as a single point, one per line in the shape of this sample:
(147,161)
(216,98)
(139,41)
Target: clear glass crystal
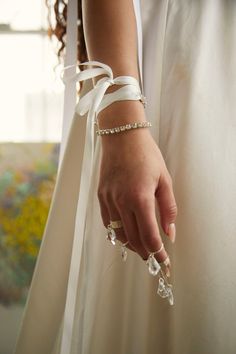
(111,235)
(153,266)
(124,253)
(165,290)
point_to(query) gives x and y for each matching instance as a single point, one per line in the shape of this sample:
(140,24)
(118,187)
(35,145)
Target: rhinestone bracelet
(122,128)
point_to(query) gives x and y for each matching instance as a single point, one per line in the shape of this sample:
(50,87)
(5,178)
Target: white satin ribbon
(95,100)
(90,105)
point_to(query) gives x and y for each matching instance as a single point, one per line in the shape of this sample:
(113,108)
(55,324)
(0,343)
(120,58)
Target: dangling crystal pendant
(124,253)
(153,266)
(111,235)
(165,290)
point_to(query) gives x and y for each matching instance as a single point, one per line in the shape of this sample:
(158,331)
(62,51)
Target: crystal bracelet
(122,128)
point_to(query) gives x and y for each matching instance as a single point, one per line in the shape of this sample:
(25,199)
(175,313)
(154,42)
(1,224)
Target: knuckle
(139,198)
(173,210)
(120,200)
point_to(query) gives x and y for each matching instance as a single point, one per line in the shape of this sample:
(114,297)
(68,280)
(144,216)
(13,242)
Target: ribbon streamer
(90,105)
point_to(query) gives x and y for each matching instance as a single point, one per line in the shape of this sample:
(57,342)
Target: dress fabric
(189,76)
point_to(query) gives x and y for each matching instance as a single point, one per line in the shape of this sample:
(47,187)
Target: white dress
(189,75)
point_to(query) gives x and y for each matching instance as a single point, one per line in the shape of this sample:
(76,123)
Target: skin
(134,179)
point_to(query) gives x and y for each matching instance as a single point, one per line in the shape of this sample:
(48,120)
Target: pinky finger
(104,212)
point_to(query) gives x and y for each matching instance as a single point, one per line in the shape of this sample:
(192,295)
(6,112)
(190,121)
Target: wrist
(121,113)
(114,142)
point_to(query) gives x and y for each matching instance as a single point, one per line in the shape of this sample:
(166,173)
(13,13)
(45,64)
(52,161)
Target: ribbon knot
(95,100)
(111,81)
(91,102)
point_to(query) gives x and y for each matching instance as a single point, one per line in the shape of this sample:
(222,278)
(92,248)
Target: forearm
(111,37)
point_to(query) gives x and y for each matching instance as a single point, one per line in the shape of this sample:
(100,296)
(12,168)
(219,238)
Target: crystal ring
(111,235)
(153,266)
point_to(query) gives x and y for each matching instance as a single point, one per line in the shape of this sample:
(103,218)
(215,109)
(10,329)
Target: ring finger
(120,232)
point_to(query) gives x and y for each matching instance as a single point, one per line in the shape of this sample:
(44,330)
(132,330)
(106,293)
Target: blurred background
(31,94)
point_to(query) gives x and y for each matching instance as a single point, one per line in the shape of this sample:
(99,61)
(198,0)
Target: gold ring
(116,224)
(158,251)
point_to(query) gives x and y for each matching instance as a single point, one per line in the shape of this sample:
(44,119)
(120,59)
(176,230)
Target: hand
(133,177)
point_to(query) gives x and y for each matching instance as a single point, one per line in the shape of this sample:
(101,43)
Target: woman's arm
(111,38)
(133,174)
(110,34)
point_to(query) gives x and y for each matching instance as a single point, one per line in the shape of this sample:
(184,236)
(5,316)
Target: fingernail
(172,232)
(167,266)
(167,272)
(167,262)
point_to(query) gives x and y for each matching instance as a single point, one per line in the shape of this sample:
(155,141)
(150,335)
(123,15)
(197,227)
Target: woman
(187,158)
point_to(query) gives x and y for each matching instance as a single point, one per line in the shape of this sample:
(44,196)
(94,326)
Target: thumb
(167,206)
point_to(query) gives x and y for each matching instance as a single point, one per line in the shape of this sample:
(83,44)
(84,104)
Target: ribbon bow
(95,100)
